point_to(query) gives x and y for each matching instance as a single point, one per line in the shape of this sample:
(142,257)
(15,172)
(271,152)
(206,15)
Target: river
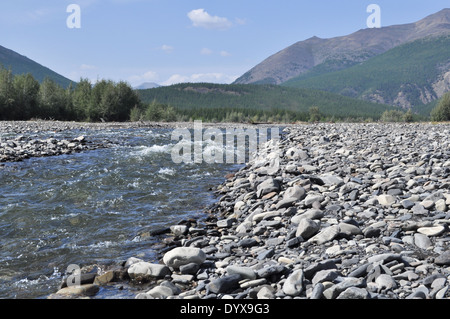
(92,207)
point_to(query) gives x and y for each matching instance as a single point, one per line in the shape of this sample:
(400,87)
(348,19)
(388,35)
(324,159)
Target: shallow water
(89,208)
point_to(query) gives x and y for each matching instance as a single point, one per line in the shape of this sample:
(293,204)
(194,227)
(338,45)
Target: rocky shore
(21,147)
(333,211)
(19,141)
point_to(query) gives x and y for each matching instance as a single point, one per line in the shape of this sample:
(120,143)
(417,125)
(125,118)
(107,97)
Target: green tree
(111,102)
(136,114)
(441,113)
(93,111)
(6,94)
(26,90)
(53,101)
(314,114)
(408,117)
(81,99)
(127,100)
(69,111)
(157,112)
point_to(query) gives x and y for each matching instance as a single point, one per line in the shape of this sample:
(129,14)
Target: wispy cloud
(206,51)
(88,67)
(202,19)
(240,21)
(167,48)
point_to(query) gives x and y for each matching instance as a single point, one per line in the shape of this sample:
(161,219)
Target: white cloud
(148,76)
(39,14)
(240,21)
(88,67)
(167,48)
(200,77)
(201,18)
(176,78)
(206,51)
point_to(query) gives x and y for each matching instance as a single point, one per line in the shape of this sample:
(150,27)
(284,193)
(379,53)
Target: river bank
(334,211)
(21,140)
(22,127)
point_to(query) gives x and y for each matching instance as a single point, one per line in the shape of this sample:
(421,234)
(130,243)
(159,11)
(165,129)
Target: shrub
(408,117)
(314,114)
(392,116)
(157,112)
(441,112)
(136,114)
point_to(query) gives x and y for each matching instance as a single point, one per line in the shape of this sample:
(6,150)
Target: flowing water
(91,207)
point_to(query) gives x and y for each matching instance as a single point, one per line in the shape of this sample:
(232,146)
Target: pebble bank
(332,211)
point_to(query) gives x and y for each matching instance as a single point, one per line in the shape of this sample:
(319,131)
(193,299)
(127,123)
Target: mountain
(20,64)
(409,75)
(342,52)
(147,85)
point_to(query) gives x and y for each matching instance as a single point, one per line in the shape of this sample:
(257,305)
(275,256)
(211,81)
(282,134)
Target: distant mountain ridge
(147,85)
(409,76)
(344,51)
(20,64)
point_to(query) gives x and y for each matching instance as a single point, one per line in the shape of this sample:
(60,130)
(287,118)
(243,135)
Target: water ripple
(90,207)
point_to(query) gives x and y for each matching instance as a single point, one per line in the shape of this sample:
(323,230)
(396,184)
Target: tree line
(22,97)
(261,102)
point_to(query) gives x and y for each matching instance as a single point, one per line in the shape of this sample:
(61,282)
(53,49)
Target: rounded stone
(265,293)
(307,228)
(245,272)
(179,230)
(293,286)
(354,293)
(443,259)
(147,269)
(386,200)
(83,290)
(326,235)
(422,241)
(160,292)
(184,255)
(386,282)
(432,231)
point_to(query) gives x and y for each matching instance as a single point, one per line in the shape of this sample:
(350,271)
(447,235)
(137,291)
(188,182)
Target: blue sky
(172,41)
